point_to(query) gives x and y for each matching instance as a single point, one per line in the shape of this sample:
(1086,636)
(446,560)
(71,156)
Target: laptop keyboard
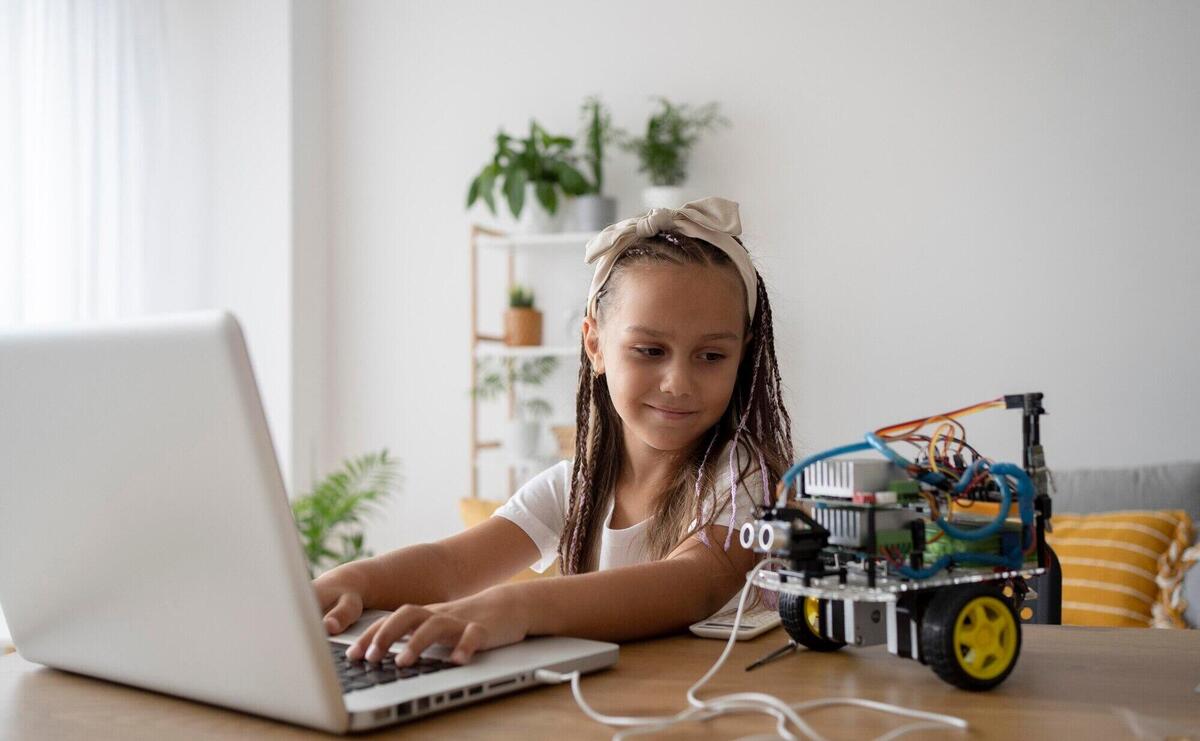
(359,675)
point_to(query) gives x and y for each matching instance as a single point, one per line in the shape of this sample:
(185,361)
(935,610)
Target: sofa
(1150,487)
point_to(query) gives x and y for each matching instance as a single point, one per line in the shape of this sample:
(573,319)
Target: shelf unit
(492,346)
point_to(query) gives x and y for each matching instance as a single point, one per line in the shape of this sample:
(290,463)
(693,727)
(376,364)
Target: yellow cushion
(475,511)
(1122,568)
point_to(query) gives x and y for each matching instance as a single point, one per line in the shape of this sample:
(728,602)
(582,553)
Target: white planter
(535,219)
(594,212)
(662,196)
(523,438)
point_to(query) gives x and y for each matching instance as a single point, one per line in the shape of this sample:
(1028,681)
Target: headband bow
(715,220)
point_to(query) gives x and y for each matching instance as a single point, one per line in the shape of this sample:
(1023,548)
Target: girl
(679,395)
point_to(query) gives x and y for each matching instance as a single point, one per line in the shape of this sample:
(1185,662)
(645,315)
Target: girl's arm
(463,564)
(637,601)
(619,604)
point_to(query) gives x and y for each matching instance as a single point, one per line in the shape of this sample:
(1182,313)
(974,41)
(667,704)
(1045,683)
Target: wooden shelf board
(537,351)
(565,240)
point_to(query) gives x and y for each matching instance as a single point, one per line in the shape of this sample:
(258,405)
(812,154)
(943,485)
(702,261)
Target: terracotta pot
(522,327)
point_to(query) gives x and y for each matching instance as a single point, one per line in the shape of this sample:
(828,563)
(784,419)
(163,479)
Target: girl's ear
(591,344)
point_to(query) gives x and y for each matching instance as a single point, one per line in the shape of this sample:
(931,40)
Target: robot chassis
(856,557)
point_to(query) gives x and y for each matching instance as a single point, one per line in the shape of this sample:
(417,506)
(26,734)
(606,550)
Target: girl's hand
(340,593)
(485,620)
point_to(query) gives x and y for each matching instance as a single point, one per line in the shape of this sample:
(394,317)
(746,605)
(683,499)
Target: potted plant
(664,150)
(496,376)
(522,322)
(525,432)
(593,209)
(533,175)
(330,517)
(525,429)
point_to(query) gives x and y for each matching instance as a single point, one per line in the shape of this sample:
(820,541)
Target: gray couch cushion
(1161,486)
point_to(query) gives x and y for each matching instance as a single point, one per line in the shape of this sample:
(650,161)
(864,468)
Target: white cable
(754,702)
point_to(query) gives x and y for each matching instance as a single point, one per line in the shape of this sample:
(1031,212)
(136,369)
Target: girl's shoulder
(554,482)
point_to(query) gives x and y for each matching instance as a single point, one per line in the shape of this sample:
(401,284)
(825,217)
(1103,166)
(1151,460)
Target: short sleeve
(734,511)
(540,509)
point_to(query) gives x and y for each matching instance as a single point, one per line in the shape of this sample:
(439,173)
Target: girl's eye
(657,352)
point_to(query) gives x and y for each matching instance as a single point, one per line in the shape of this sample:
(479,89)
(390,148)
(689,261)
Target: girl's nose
(676,380)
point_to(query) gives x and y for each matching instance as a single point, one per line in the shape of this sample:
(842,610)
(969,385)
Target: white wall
(250,180)
(950,201)
(248,200)
(309,267)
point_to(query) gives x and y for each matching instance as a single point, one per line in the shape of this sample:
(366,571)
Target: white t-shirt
(540,509)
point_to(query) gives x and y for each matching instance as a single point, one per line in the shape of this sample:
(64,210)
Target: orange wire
(891,432)
(933,443)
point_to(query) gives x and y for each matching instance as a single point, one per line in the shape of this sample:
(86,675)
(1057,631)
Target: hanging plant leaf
(547,197)
(514,189)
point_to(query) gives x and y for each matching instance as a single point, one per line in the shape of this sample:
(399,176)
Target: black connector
(1030,403)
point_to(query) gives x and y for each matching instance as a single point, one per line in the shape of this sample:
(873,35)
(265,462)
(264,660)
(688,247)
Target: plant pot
(522,327)
(535,219)
(662,196)
(594,212)
(523,438)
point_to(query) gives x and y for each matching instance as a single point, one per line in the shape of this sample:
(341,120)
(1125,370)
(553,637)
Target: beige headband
(715,220)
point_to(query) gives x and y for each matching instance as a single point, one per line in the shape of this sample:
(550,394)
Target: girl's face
(670,346)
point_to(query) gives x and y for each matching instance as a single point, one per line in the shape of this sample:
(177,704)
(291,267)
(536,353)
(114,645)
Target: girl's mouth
(669,414)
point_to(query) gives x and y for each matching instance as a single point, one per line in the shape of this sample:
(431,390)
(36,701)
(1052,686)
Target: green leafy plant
(541,159)
(535,409)
(671,133)
(598,133)
(495,375)
(331,517)
(520,297)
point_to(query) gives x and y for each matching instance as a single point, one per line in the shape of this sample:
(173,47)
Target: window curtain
(82,129)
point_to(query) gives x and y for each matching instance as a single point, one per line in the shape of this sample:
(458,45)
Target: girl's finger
(473,639)
(345,611)
(438,628)
(394,627)
(359,648)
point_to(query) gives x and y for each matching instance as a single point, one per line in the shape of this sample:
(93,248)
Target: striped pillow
(1121,568)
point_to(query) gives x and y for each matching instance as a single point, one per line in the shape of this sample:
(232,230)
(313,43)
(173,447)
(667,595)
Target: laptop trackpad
(370,616)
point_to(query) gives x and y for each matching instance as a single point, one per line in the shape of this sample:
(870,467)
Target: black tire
(791,610)
(981,652)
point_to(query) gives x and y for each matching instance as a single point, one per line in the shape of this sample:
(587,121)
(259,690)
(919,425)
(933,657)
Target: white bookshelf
(488,347)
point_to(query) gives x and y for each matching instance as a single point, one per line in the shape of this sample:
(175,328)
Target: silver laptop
(145,536)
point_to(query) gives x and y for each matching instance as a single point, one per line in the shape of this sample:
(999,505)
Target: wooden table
(1070,683)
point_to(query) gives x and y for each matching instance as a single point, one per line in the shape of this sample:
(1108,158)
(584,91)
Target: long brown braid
(756,418)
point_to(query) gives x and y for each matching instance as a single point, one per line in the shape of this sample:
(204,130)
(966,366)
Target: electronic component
(753,624)
(848,526)
(842,478)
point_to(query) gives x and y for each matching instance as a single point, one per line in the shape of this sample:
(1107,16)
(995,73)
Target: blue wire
(1012,560)
(1025,494)
(928,477)
(992,527)
(795,470)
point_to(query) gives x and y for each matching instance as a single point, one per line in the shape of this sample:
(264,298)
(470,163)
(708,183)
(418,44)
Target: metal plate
(886,589)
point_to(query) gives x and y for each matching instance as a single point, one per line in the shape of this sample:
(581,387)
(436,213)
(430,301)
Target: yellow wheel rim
(812,614)
(985,638)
